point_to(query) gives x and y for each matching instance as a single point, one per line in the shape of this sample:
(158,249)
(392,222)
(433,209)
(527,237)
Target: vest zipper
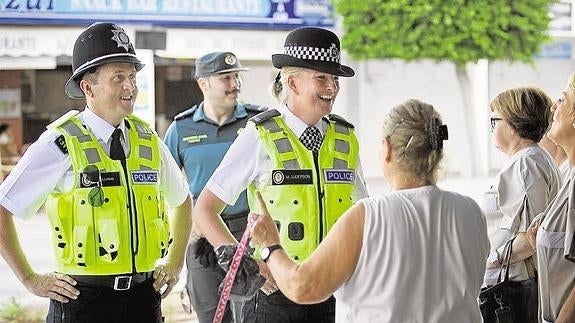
(319,196)
(133,219)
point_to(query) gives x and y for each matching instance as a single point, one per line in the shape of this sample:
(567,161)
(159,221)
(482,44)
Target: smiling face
(111,91)
(562,129)
(221,89)
(315,94)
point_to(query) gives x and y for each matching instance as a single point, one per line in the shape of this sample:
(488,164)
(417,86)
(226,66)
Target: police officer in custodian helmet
(118,206)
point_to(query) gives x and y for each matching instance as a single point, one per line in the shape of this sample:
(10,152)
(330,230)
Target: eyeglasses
(493,122)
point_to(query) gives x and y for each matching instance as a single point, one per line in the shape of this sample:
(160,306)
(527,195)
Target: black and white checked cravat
(311,138)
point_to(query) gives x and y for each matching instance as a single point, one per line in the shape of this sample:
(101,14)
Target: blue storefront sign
(275,14)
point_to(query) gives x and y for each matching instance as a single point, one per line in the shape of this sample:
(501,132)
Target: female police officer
(303,162)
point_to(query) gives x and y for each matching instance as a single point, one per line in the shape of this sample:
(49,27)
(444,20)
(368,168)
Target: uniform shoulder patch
(61,144)
(186,113)
(340,120)
(264,116)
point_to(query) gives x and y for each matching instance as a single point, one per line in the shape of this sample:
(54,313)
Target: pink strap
(231,274)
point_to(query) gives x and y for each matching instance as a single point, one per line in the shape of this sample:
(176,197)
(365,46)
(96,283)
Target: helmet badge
(121,38)
(230,59)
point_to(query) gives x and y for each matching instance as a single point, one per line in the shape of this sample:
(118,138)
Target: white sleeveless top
(422,260)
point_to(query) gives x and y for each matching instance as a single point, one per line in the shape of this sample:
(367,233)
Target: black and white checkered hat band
(313,53)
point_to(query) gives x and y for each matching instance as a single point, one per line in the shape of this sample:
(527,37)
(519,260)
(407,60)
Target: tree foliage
(459,31)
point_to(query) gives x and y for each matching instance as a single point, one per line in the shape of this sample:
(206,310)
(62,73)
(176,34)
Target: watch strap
(271,249)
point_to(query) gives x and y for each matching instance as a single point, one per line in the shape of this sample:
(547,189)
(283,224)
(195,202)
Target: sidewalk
(173,310)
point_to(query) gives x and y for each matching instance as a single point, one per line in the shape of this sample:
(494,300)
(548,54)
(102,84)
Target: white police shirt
(44,168)
(248,162)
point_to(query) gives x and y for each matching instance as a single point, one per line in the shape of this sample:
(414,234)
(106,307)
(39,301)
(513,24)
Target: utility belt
(116,282)
(237,222)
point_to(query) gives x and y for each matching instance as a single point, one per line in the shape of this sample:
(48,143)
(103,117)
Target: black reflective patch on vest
(295,231)
(61,144)
(106,179)
(291,176)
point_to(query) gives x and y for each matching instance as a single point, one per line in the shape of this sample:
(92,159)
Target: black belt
(116,282)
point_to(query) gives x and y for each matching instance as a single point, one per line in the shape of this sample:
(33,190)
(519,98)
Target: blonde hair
(415,133)
(526,109)
(279,85)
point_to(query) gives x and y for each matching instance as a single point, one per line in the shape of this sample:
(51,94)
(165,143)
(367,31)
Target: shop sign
(279,14)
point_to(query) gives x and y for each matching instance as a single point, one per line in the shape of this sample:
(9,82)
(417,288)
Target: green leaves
(460,31)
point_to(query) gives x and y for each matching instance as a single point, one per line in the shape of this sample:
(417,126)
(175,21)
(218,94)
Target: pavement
(35,242)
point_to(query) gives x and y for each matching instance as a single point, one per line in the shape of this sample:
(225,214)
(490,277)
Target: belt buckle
(122,282)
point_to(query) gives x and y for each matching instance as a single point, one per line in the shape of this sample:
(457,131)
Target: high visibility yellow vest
(112,221)
(305,194)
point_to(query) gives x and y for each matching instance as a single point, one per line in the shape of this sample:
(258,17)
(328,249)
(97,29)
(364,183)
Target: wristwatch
(267,251)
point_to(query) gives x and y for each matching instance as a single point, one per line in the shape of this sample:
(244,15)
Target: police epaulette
(264,116)
(186,113)
(255,108)
(61,144)
(338,119)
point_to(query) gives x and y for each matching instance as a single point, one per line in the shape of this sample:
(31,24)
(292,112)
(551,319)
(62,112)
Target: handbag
(509,301)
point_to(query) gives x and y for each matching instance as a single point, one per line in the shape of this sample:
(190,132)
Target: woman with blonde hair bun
(394,258)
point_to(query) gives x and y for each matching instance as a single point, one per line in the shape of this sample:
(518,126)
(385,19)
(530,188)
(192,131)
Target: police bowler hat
(217,63)
(99,44)
(312,48)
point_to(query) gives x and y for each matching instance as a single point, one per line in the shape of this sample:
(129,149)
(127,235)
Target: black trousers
(276,308)
(97,304)
(202,286)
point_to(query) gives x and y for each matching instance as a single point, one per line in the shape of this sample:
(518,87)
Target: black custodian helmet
(99,44)
(313,48)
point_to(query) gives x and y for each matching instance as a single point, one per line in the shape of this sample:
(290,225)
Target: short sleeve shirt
(198,145)
(556,274)
(45,168)
(248,162)
(524,187)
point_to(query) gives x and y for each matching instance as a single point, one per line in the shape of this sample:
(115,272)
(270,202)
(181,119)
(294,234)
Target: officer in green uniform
(304,161)
(106,180)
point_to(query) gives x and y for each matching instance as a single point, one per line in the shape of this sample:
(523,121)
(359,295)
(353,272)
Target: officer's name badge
(291,176)
(194,139)
(339,176)
(145,177)
(94,179)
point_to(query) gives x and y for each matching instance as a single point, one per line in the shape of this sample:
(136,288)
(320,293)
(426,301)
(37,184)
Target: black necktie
(116,149)
(311,138)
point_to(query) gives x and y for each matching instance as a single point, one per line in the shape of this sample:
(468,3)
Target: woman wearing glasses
(525,185)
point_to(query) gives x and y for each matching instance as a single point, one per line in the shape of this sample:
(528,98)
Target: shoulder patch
(338,119)
(186,113)
(61,143)
(255,108)
(264,116)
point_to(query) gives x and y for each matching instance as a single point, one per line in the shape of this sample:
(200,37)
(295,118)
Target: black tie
(116,149)
(311,138)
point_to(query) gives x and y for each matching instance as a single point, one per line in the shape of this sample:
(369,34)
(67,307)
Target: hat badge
(121,38)
(230,59)
(334,51)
